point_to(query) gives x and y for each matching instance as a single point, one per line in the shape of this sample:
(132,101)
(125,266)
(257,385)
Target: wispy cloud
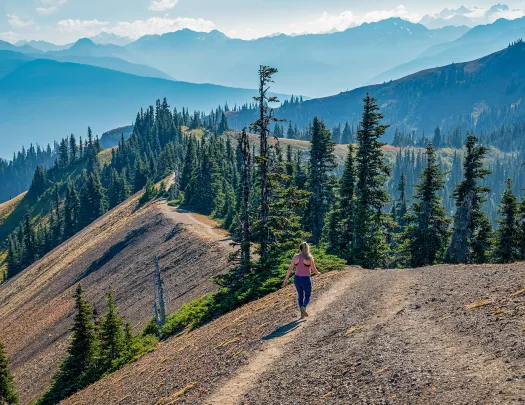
(157,25)
(85,27)
(339,22)
(50,6)
(9,36)
(17,22)
(162,5)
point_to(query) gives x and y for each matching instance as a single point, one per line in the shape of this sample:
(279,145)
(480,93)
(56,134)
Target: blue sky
(64,21)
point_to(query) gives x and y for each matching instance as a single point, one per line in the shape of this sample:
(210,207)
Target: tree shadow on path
(284,330)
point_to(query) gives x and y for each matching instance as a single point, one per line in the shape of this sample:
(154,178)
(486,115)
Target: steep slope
(116,251)
(312,65)
(429,335)
(42,100)
(448,96)
(479,41)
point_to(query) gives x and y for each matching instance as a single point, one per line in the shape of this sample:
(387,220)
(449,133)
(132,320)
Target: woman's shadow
(284,330)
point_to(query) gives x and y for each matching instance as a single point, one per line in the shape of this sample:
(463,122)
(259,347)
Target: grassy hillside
(36,307)
(429,335)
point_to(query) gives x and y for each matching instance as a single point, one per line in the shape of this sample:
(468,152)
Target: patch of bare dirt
(36,307)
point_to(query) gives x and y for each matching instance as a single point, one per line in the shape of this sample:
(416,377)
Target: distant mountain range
(469,16)
(476,43)
(44,100)
(311,65)
(480,95)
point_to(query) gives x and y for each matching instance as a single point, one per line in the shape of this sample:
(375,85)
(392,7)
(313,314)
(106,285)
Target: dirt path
(246,378)
(205,227)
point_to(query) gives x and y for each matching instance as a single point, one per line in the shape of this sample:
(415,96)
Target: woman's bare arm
(290,269)
(314,268)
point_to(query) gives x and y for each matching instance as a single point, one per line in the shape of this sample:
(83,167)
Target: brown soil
(36,307)
(443,334)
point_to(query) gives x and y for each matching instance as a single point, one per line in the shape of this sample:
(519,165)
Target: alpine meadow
(169,168)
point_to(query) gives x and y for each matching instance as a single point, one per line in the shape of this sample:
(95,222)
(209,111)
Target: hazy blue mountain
(309,64)
(85,47)
(44,100)
(43,46)
(10,61)
(479,41)
(480,95)
(120,65)
(105,38)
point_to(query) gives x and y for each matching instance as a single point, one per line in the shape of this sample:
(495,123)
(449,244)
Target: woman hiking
(304,264)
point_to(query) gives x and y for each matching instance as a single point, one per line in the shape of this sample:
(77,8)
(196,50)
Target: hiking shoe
(304,314)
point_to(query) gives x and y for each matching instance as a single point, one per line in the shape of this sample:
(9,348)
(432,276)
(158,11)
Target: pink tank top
(302,269)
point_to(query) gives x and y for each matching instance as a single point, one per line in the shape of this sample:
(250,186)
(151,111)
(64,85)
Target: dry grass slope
(116,251)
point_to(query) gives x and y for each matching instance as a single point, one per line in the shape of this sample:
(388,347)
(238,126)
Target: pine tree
(244,217)
(111,333)
(39,183)
(190,164)
(79,368)
(401,205)
(437,138)
(426,235)
(508,235)
(261,127)
(320,182)
(471,237)
(341,220)
(71,211)
(93,200)
(8,395)
(347,136)
(369,245)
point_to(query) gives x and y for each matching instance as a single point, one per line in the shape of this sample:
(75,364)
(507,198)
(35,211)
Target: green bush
(193,313)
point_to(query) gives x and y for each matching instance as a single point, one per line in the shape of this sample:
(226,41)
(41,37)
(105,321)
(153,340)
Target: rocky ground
(443,334)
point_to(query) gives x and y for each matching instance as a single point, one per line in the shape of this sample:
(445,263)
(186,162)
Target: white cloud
(400,11)
(50,6)
(85,27)
(507,14)
(9,36)
(328,22)
(17,22)
(157,25)
(339,22)
(162,5)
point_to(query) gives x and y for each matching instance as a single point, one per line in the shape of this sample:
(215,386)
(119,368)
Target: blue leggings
(303,284)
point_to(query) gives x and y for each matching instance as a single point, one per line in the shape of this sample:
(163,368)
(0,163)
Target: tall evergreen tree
(341,220)
(71,211)
(8,395)
(112,335)
(471,237)
(321,179)
(79,368)
(244,217)
(369,245)
(508,235)
(261,128)
(426,235)
(401,205)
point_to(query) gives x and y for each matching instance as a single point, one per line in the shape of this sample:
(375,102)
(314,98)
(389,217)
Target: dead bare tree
(159,309)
